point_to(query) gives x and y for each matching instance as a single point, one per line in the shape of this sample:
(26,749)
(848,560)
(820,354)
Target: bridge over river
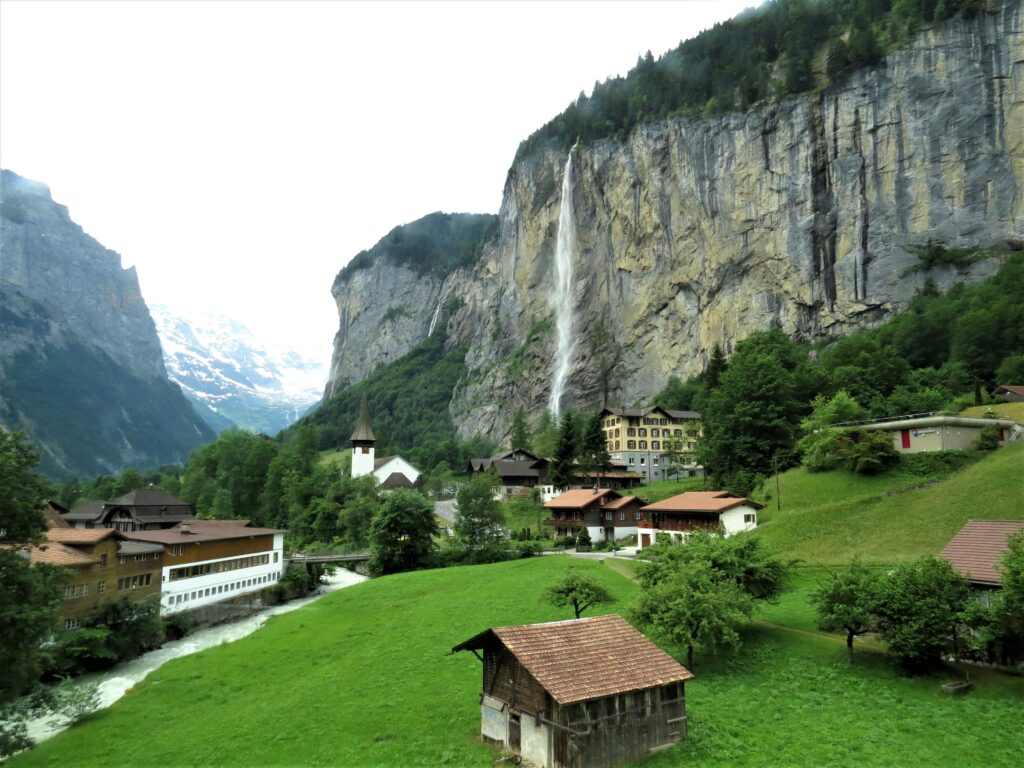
(353,561)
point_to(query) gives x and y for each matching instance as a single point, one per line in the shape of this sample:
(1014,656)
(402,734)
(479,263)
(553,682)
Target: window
(654,460)
(643,446)
(275,557)
(72,623)
(655,446)
(750,517)
(643,432)
(631,432)
(622,514)
(638,515)
(655,433)
(642,461)
(177,549)
(631,445)
(677,432)
(73,591)
(122,560)
(103,561)
(632,460)
(663,422)
(101,587)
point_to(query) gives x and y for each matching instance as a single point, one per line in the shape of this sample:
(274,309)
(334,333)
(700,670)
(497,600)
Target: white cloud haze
(240,153)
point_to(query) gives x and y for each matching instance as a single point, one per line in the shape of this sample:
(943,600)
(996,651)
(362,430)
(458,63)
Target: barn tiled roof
(585,659)
(701,501)
(581,498)
(978,548)
(199,533)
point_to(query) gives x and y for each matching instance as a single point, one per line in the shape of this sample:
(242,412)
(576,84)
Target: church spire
(363,432)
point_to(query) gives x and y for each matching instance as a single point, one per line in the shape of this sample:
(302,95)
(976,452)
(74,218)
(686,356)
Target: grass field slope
(361,678)
(828,517)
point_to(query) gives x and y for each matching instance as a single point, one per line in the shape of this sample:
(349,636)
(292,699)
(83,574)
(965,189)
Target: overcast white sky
(240,153)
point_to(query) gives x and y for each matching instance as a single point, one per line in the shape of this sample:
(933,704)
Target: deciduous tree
(402,533)
(479,521)
(579,590)
(846,601)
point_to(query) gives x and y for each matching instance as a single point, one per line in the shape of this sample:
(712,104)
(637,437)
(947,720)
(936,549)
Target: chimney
(185,528)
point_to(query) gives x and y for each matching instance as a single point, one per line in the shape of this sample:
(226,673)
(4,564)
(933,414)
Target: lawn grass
(663,489)
(1013,411)
(361,678)
(829,517)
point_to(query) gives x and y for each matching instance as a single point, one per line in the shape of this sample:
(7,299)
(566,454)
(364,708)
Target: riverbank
(113,683)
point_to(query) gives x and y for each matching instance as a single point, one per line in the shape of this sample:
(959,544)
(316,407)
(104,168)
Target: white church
(389,471)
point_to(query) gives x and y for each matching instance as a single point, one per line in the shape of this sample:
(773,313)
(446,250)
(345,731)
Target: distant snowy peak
(224,369)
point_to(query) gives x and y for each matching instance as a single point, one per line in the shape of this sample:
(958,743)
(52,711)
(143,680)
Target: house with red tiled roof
(104,567)
(581,693)
(711,511)
(607,514)
(1010,393)
(977,550)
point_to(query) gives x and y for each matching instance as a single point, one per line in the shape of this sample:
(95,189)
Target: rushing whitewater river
(112,684)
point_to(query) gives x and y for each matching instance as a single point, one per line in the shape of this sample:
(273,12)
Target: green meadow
(362,678)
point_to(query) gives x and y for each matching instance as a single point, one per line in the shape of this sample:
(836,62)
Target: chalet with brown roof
(104,566)
(518,470)
(210,561)
(1009,393)
(977,550)
(606,513)
(679,515)
(585,693)
(144,509)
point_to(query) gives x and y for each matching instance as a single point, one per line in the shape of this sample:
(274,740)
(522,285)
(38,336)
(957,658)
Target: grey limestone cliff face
(47,259)
(798,215)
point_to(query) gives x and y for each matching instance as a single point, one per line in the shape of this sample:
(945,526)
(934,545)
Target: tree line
(764,53)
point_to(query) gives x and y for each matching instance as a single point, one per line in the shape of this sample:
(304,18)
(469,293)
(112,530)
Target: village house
(642,439)
(584,693)
(919,434)
(696,511)
(605,513)
(1009,393)
(977,551)
(390,472)
(144,509)
(104,567)
(518,471)
(209,561)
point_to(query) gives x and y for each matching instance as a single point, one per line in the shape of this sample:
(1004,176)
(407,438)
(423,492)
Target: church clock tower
(362,443)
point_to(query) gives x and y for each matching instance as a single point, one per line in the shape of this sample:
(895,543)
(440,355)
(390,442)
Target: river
(112,684)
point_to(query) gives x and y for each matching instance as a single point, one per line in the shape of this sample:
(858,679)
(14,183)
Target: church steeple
(362,443)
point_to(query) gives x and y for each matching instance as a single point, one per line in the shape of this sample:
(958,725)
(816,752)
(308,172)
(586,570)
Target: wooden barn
(585,693)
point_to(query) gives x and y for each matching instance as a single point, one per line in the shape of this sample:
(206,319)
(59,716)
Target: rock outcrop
(800,215)
(81,370)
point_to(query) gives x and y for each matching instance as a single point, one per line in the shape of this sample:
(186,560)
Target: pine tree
(564,463)
(520,438)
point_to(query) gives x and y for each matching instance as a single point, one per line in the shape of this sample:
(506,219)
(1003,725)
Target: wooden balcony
(555,522)
(671,524)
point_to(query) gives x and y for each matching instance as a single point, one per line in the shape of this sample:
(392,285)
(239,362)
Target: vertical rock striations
(797,215)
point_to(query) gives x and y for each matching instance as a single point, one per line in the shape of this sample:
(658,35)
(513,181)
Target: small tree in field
(695,606)
(578,590)
(583,539)
(846,602)
(920,605)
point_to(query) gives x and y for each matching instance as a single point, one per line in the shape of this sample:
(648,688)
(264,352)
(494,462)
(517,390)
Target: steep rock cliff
(81,370)
(798,215)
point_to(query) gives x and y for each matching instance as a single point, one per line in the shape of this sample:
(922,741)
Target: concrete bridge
(354,561)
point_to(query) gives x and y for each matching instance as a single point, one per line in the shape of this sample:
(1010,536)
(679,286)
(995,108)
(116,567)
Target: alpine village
(707,449)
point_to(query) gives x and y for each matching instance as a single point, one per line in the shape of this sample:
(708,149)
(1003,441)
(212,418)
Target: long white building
(208,561)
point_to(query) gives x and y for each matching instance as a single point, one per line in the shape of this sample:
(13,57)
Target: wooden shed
(584,693)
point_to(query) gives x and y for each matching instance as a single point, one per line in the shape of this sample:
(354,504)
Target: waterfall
(562,296)
(433,320)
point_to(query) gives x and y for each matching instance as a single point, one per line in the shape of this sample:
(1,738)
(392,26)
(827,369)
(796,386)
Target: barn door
(514,731)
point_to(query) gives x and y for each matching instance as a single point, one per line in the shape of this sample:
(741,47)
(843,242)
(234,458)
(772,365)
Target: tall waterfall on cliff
(433,320)
(562,297)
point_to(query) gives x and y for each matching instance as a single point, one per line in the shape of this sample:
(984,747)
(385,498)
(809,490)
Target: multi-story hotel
(641,439)
(207,561)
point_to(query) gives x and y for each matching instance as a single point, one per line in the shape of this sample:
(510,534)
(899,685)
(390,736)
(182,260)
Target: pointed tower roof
(363,432)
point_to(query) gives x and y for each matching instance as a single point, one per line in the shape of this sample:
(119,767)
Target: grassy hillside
(828,517)
(1013,411)
(361,678)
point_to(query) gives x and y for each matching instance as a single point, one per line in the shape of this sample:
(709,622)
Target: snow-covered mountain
(232,378)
